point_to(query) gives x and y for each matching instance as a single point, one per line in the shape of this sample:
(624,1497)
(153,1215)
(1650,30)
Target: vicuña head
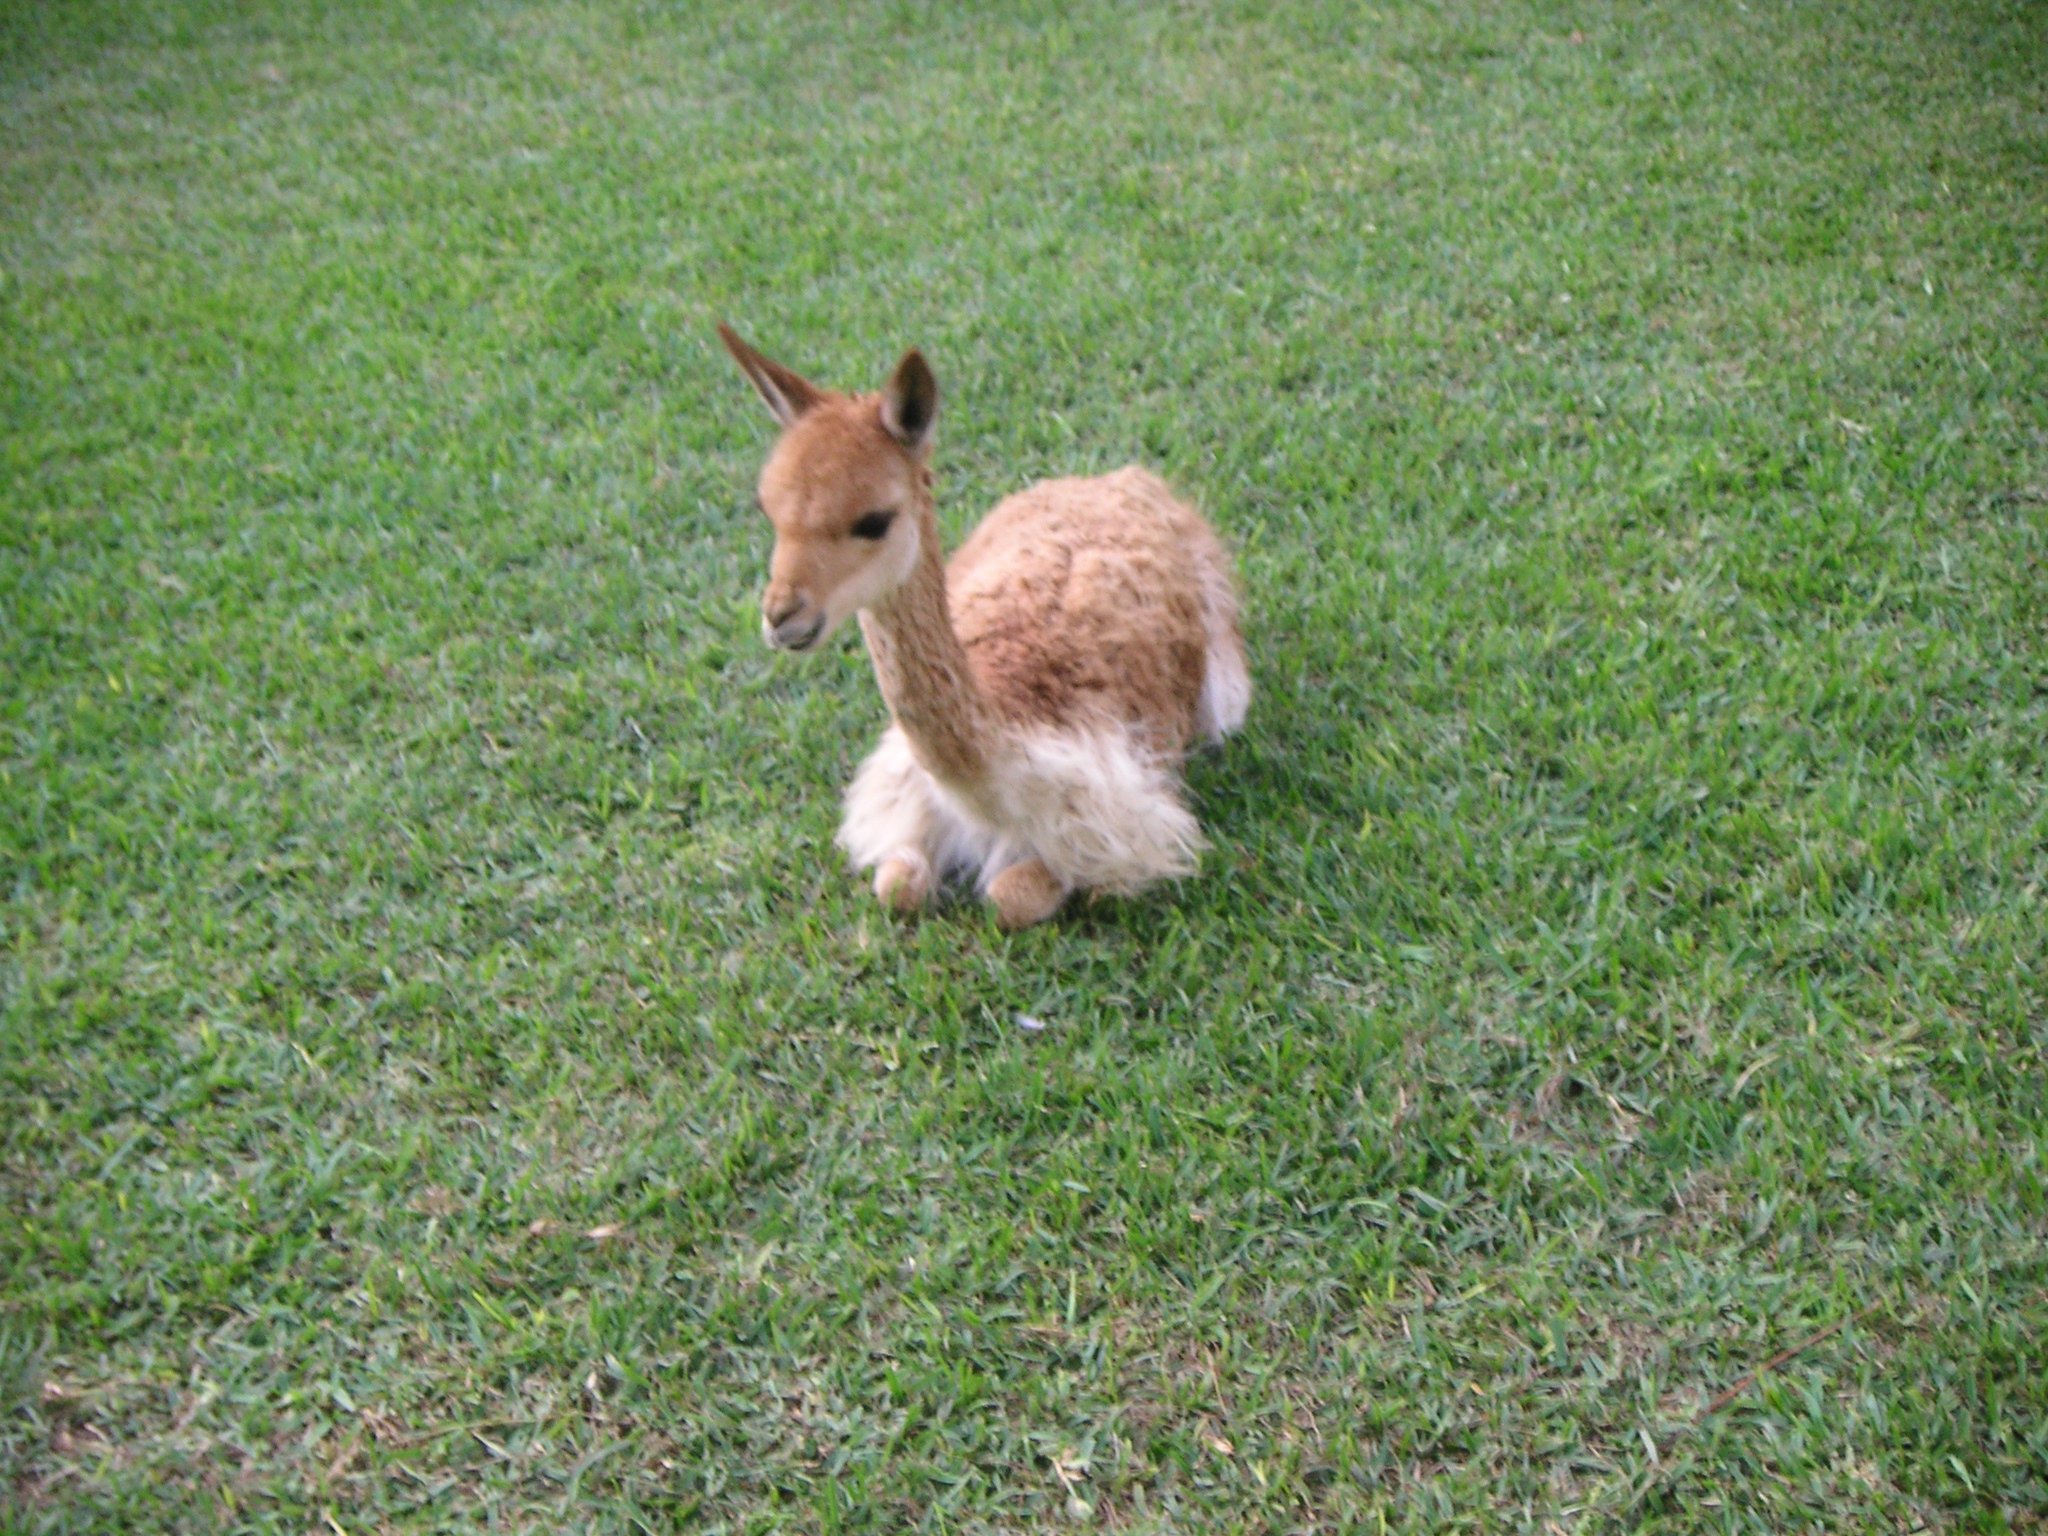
(1044,684)
(843,488)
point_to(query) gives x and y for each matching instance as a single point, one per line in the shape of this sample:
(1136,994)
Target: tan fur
(1044,686)
(1080,598)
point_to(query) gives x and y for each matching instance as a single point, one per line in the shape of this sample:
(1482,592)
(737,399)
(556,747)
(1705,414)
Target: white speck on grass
(1030,1023)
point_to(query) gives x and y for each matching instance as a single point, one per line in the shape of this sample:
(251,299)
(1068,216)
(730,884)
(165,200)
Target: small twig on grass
(423,1436)
(1750,1378)
(1663,1472)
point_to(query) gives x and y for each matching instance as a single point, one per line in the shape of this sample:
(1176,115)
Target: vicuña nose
(779,605)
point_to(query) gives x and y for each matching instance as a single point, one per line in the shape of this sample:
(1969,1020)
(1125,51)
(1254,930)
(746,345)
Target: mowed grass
(448,1080)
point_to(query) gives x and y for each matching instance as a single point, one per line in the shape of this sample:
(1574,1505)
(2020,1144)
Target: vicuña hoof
(1025,894)
(904,882)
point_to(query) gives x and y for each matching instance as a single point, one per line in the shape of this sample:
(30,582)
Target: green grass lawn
(448,1079)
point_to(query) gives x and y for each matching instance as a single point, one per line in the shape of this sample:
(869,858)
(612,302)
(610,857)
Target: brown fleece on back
(1083,598)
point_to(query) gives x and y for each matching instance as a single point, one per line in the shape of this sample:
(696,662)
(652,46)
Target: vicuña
(1044,684)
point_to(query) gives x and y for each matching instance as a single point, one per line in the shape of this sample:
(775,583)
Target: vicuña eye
(873,525)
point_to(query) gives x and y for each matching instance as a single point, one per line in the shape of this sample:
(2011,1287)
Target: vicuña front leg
(1026,893)
(904,881)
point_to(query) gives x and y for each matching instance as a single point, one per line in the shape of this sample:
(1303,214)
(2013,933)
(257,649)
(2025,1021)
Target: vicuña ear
(788,394)
(910,402)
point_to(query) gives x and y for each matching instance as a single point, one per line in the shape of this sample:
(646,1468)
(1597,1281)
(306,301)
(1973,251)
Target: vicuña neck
(922,669)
